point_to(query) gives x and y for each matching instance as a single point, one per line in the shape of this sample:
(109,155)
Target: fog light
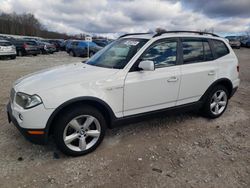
(20,117)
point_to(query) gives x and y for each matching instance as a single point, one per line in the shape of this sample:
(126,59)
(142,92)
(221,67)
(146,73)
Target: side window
(192,51)
(162,53)
(195,51)
(208,55)
(220,48)
(74,43)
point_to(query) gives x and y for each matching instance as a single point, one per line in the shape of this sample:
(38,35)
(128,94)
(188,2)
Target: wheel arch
(222,81)
(102,106)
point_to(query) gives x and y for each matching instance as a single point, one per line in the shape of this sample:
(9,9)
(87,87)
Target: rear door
(199,69)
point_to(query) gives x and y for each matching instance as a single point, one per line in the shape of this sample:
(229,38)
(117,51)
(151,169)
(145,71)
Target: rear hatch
(6,47)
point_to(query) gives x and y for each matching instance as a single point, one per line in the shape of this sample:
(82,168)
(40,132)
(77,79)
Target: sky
(125,16)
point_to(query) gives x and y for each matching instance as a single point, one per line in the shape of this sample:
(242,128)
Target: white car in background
(137,75)
(7,49)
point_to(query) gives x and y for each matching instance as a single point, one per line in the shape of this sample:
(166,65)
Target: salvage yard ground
(171,151)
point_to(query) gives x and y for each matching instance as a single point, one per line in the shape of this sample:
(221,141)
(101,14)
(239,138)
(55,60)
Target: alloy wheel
(218,102)
(81,133)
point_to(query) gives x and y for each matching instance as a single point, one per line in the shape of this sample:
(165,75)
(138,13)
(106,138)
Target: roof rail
(196,32)
(128,34)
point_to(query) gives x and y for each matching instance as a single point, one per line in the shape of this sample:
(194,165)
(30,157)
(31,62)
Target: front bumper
(33,135)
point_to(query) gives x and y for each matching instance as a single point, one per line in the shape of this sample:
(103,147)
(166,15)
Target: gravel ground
(184,150)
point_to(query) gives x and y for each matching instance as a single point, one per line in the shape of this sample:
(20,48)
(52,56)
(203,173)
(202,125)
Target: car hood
(60,76)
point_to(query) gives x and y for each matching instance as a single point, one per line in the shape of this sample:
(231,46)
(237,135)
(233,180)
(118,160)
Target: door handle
(210,73)
(173,79)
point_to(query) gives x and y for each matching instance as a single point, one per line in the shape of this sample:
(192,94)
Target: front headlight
(27,101)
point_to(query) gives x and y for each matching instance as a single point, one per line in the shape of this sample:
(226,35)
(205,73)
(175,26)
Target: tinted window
(195,51)
(192,51)
(74,43)
(163,54)
(220,48)
(207,52)
(30,43)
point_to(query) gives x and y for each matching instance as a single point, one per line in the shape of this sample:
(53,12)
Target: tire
(13,57)
(20,53)
(213,102)
(71,53)
(71,123)
(34,54)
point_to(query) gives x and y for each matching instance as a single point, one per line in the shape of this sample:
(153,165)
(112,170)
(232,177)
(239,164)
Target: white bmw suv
(135,76)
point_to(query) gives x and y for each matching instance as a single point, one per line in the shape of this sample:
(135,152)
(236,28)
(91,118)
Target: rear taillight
(238,68)
(25,45)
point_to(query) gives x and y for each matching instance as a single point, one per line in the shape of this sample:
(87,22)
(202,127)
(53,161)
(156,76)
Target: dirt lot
(177,151)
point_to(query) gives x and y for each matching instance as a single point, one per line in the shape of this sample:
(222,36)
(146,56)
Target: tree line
(27,25)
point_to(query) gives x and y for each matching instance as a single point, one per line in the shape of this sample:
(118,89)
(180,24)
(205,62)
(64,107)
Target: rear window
(220,48)
(30,43)
(5,44)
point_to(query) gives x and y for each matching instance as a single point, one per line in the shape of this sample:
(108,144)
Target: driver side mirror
(147,65)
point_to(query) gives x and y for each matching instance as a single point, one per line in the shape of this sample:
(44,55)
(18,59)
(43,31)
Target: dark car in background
(80,49)
(57,42)
(245,42)
(101,42)
(68,45)
(234,43)
(49,48)
(45,47)
(25,47)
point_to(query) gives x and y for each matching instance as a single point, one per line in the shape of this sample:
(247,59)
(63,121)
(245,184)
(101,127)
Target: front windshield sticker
(131,43)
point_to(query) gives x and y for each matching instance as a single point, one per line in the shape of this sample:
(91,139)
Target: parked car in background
(56,42)
(26,47)
(234,43)
(45,47)
(7,49)
(49,48)
(80,48)
(101,43)
(68,45)
(245,42)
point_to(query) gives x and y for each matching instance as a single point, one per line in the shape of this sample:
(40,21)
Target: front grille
(12,95)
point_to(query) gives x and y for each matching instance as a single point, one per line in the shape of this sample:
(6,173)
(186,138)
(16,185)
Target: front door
(146,91)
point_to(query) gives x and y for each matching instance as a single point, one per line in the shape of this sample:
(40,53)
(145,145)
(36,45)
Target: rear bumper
(32,52)
(7,53)
(33,135)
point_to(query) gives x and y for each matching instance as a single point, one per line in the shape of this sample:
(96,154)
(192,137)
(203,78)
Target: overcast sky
(118,16)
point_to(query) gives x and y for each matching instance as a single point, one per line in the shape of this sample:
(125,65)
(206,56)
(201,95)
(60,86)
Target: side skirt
(147,115)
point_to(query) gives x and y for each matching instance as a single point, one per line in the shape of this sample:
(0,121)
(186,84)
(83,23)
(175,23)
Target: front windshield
(117,54)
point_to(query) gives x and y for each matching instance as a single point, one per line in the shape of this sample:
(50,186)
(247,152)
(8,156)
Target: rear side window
(220,48)
(195,51)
